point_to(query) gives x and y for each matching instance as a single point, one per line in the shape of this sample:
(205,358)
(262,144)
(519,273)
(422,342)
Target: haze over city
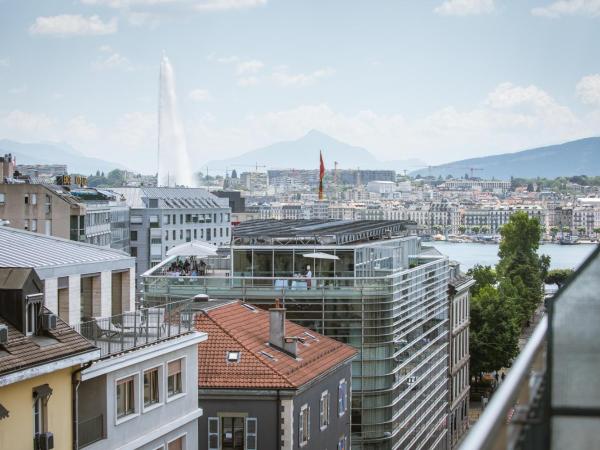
(434,80)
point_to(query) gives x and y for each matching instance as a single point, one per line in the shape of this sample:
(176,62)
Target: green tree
(475,229)
(494,335)
(558,276)
(462,229)
(581,230)
(483,276)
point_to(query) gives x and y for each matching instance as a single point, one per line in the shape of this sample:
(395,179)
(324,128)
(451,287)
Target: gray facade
(273,408)
(146,427)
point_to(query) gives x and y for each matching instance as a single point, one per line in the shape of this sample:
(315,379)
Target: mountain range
(580,157)
(56,153)
(303,153)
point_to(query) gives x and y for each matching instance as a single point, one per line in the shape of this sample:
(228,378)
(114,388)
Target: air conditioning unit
(3,334)
(44,441)
(48,322)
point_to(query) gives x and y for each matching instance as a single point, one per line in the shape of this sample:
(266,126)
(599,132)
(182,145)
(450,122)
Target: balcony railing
(515,407)
(143,326)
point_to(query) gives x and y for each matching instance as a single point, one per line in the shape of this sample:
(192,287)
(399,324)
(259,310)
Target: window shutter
(251,432)
(301,427)
(213,433)
(322,411)
(340,399)
(308,424)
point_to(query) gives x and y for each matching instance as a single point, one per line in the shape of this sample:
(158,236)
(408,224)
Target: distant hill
(303,153)
(56,153)
(581,157)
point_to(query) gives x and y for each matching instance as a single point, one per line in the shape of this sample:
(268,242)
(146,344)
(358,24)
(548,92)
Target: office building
(369,288)
(163,217)
(266,383)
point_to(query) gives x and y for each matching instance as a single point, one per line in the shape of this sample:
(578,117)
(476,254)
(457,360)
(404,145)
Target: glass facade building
(371,289)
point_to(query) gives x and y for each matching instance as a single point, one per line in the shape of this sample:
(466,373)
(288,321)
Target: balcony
(135,329)
(551,398)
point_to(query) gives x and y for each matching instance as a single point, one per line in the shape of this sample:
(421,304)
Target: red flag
(321,175)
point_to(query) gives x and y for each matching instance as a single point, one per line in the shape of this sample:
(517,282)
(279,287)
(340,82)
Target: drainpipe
(75,382)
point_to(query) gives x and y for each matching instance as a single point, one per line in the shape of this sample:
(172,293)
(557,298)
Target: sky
(437,80)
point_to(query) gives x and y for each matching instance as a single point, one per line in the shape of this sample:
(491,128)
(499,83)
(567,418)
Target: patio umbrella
(319,255)
(200,249)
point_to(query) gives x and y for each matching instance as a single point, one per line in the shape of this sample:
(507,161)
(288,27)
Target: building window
(195,234)
(342,443)
(213,433)
(342,397)
(125,397)
(167,219)
(27,199)
(40,414)
(181,235)
(151,391)
(33,224)
(174,380)
(2,197)
(177,444)
(32,315)
(232,433)
(251,433)
(174,234)
(324,410)
(133,235)
(304,425)
(133,251)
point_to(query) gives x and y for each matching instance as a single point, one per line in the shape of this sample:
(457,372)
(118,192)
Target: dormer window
(33,308)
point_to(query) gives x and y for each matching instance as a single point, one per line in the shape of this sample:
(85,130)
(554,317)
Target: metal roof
(171,197)
(268,232)
(20,248)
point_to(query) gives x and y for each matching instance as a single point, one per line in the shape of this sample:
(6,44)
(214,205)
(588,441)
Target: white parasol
(200,249)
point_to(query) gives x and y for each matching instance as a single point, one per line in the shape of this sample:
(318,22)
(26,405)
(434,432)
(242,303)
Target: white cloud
(465,7)
(226,59)
(17,124)
(199,95)
(110,60)
(79,129)
(224,5)
(4,62)
(72,25)
(588,89)
(252,66)
(568,8)
(247,81)
(18,90)
(509,118)
(283,78)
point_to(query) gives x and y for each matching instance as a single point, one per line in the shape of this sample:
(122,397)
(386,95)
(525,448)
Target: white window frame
(303,435)
(182,435)
(218,433)
(324,412)
(342,401)
(161,391)
(136,398)
(183,392)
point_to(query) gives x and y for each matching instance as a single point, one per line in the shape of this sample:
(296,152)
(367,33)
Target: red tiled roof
(234,327)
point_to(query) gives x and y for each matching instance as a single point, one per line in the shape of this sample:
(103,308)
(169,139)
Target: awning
(3,412)
(43,391)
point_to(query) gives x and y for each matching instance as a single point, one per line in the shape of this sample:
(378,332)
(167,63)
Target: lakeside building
(267,383)
(78,279)
(498,186)
(494,217)
(163,217)
(39,354)
(372,290)
(459,377)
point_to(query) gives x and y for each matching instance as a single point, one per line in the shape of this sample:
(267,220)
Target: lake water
(468,254)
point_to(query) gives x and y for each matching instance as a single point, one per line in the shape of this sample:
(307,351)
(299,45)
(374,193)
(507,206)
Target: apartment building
(267,383)
(459,297)
(39,354)
(493,217)
(163,217)
(77,279)
(370,288)
(142,391)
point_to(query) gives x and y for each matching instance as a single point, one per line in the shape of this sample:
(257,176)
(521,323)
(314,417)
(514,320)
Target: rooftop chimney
(277,337)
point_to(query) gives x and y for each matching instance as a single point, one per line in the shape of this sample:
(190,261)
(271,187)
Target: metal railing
(91,430)
(143,326)
(507,418)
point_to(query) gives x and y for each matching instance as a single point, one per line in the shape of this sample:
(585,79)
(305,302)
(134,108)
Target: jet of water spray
(173,159)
